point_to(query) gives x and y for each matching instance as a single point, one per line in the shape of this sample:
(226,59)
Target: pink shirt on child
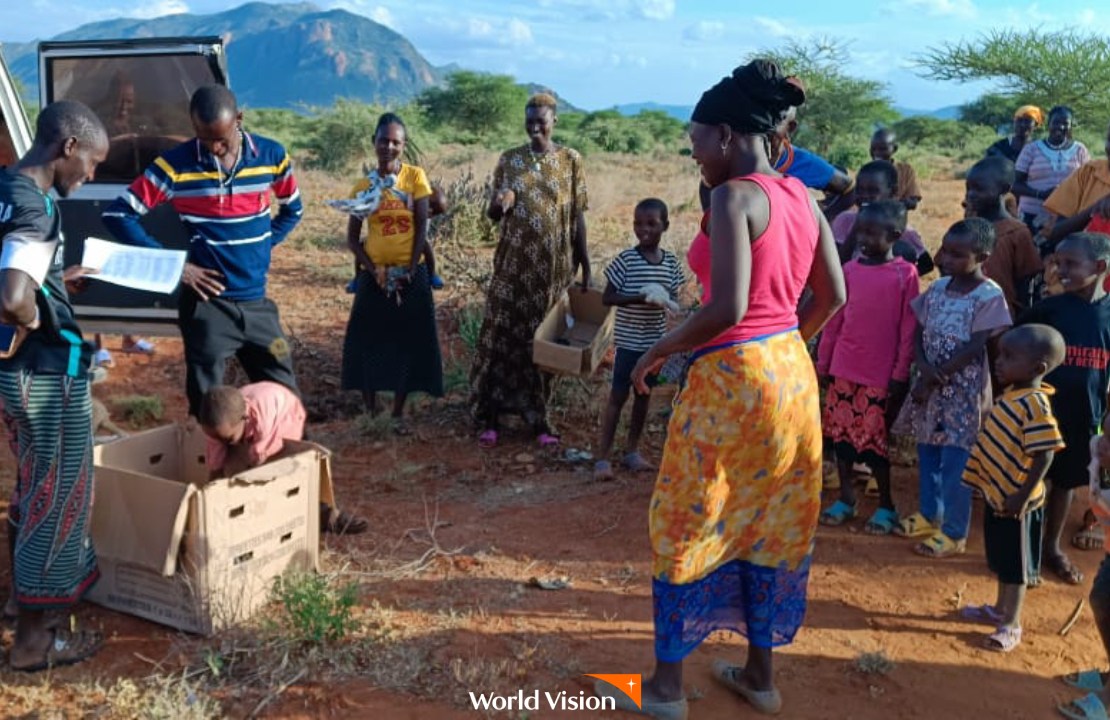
(842,226)
(870,341)
(274,414)
(781,259)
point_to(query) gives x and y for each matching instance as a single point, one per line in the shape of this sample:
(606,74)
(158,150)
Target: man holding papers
(220,184)
(44,391)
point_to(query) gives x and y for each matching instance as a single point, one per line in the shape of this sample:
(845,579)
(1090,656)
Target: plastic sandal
(837,514)
(603,470)
(768,702)
(1064,569)
(487,439)
(103,358)
(1003,640)
(981,613)
(1091,536)
(1090,680)
(635,462)
(1088,707)
(547,440)
(915,526)
(940,546)
(882,522)
(139,347)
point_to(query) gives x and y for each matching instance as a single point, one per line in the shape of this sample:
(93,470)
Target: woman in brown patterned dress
(540,200)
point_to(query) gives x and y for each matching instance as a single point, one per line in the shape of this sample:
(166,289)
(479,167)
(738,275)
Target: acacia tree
(839,108)
(477,103)
(1064,67)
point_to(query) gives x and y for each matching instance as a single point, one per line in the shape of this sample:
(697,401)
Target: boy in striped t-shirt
(643,282)
(1007,465)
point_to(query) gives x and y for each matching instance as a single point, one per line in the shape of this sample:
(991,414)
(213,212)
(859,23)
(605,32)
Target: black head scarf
(752,101)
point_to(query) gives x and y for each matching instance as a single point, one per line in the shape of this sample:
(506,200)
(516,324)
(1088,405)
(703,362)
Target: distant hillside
(948,112)
(680,112)
(292,55)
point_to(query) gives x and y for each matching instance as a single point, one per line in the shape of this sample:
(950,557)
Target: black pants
(216,329)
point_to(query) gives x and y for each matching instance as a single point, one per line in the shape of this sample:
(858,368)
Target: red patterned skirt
(854,419)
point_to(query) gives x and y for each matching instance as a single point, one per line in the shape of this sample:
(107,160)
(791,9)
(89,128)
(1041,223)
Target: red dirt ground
(514,517)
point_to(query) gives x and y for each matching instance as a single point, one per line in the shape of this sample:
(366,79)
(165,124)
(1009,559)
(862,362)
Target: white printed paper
(151,269)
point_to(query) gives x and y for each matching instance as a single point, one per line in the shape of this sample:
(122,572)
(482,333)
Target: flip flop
(487,439)
(547,440)
(1089,707)
(882,522)
(1064,569)
(768,702)
(915,526)
(140,347)
(67,648)
(603,470)
(673,710)
(940,546)
(1090,680)
(981,613)
(103,358)
(837,514)
(1003,640)
(635,462)
(1091,536)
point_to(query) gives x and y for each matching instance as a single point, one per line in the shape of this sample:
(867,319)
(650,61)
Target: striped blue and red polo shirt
(227,215)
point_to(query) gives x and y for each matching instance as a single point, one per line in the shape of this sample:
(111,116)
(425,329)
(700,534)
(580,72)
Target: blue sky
(598,53)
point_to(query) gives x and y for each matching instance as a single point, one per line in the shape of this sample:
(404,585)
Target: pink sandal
(547,440)
(487,439)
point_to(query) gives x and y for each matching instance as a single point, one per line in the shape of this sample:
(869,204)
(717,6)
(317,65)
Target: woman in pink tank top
(736,502)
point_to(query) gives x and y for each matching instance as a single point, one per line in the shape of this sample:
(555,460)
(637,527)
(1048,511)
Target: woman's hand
(505,199)
(75,278)
(649,364)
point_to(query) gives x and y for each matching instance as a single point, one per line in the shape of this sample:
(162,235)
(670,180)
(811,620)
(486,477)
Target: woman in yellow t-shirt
(391,343)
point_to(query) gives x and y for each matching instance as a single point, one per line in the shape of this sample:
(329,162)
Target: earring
(724,148)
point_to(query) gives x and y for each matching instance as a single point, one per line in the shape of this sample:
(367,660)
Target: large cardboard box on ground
(198,555)
(577,350)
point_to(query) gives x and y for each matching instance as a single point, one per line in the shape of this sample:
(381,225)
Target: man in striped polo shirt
(220,184)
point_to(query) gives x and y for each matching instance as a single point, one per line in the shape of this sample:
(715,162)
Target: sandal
(67,648)
(337,522)
(487,439)
(1091,536)
(673,710)
(837,514)
(882,522)
(636,462)
(940,546)
(1064,569)
(1088,707)
(139,347)
(915,526)
(1090,680)
(768,702)
(103,358)
(1003,640)
(981,613)
(603,470)
(547,440)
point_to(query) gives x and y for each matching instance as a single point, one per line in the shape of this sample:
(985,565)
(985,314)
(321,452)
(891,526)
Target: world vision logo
(562,700)
(628,684)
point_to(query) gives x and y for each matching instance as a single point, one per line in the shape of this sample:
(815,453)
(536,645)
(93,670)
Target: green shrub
(313,610)
(139,409)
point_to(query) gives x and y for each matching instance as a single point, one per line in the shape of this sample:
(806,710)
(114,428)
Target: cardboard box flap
(327,491)
(141,519)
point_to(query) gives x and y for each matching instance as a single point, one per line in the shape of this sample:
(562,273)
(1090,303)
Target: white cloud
(383,16)
(158,9)
(518,32)
(479,28)
(774,28)
(704,30)
(938,8)
(655,9)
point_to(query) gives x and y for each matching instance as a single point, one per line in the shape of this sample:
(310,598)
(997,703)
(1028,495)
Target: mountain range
(286,56)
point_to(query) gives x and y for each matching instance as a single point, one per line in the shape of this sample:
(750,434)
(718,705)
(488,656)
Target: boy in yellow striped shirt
(1007,465)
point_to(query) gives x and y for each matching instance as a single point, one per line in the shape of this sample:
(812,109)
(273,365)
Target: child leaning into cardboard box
(249,425)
